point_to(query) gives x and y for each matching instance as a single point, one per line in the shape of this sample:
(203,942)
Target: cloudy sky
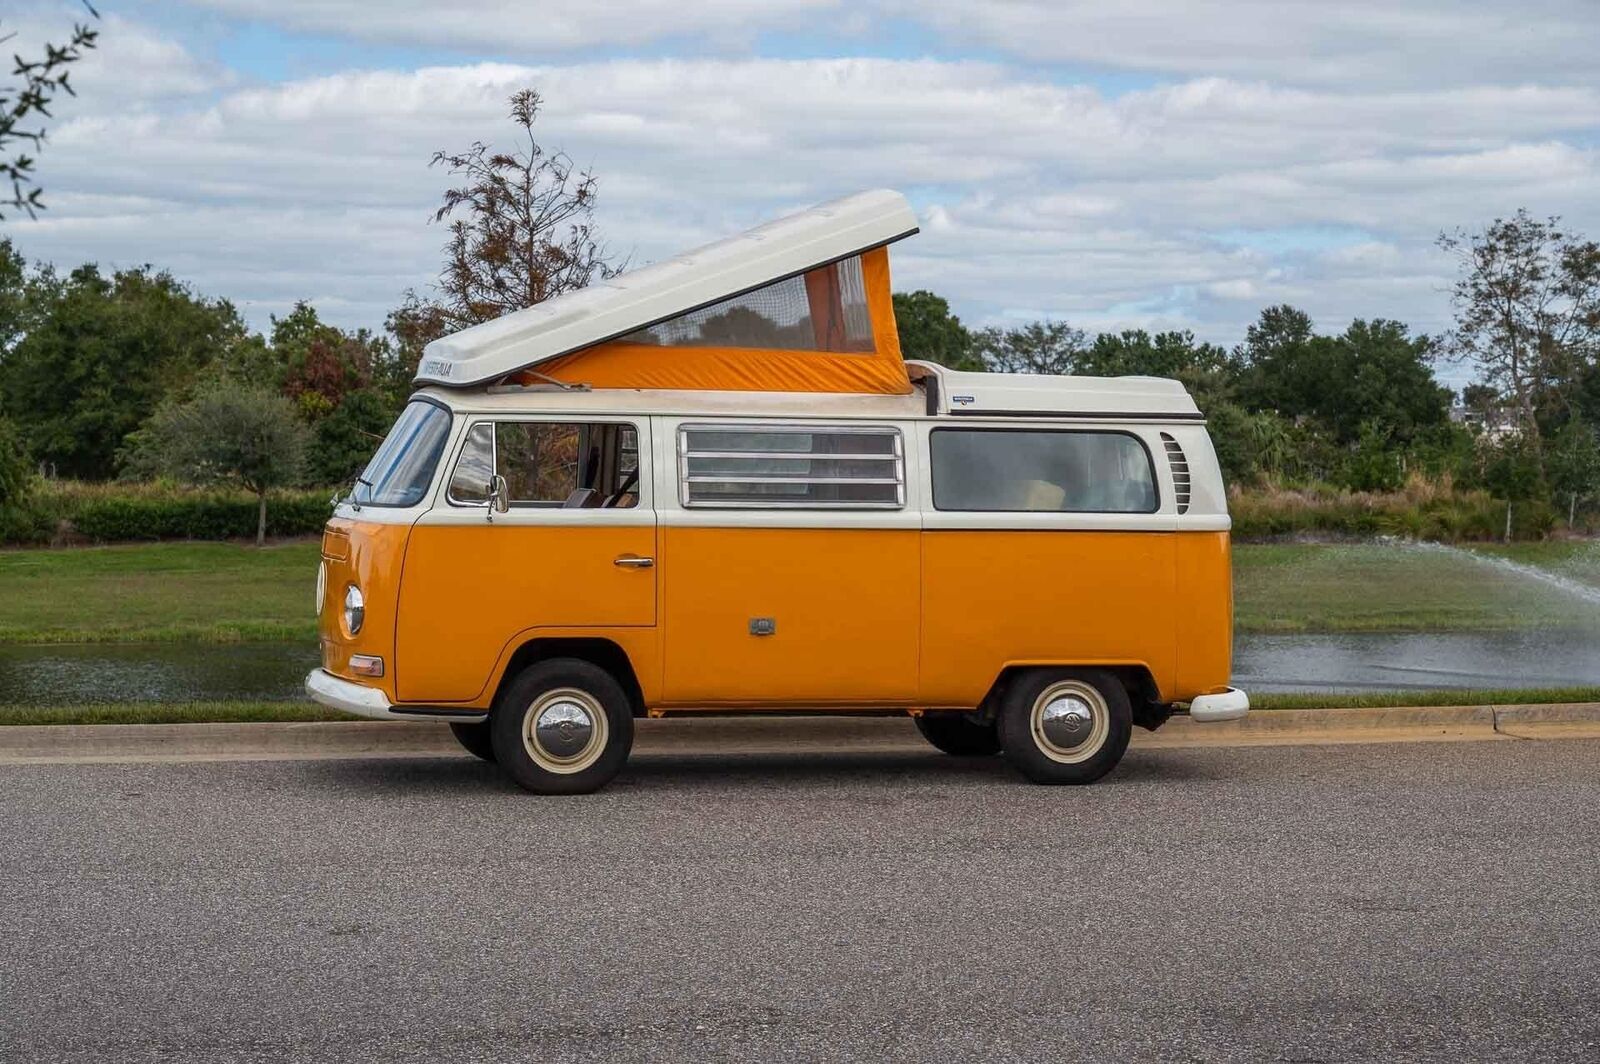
(1152,163)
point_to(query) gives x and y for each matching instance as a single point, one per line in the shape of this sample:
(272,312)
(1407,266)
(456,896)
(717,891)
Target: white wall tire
(563,726)
(1065,725)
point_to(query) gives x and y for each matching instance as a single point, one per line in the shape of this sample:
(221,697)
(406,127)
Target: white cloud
(1184,204)
(1352,42)
(549,26)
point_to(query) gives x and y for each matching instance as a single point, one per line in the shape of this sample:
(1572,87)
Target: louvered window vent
(1180,471)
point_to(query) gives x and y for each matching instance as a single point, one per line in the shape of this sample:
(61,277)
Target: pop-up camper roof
(800,304)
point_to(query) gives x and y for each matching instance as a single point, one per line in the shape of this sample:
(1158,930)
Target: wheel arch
(1144,694)
(597,650)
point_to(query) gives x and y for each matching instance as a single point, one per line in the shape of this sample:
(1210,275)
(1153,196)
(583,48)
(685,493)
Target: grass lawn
(1381,587)
(225,592)
(159,592)
(168,713)
(234,712)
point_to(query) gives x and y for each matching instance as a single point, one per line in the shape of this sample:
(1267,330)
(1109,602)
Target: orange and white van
(715,485)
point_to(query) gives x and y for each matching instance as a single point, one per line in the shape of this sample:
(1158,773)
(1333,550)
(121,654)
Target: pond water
(154,672)
(1374,661)
(39,675)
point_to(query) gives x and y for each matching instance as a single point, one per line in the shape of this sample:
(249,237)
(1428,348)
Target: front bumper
(323,686)
(1231,704)
(363,701)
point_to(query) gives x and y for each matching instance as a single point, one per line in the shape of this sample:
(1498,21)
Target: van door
(573,555)
(792,565)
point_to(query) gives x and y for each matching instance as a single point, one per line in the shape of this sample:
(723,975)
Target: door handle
(633,561)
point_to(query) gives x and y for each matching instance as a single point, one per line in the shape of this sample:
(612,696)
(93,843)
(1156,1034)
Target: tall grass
(1432,509)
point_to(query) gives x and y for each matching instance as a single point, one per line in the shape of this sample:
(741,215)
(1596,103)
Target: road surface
(1429,901)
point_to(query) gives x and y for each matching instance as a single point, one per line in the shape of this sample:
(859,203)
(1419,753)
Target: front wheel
(1065,725)
(563,726)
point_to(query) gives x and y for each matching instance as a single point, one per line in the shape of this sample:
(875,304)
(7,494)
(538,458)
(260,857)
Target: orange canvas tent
(801,304)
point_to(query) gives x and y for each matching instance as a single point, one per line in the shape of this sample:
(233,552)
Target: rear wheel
(563,726)
(474,738)
(1065,725)
(959,734)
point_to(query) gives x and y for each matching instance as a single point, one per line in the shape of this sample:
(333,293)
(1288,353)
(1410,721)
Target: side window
(587,465)
(799,467)
(1054,471)
(824,309)
(470,482)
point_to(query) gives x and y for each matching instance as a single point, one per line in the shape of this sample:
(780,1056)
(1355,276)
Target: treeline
(87,358)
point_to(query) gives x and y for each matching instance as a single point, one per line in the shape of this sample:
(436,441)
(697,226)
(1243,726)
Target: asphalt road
(1431,901)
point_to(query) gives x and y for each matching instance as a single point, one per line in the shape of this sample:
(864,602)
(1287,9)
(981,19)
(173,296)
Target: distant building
(1493,425)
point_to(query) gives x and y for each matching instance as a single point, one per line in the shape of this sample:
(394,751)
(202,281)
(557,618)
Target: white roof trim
(1017,394)
(634,300)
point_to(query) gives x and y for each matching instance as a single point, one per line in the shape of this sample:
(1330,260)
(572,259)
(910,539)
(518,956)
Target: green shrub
(109,513)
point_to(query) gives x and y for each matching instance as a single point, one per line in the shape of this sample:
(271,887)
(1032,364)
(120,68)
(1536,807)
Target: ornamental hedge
(67,512)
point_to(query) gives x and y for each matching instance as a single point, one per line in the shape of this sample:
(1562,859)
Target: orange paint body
(865,618)
(368,555)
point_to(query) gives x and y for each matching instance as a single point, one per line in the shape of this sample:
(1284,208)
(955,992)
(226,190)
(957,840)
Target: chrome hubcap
(565,730)
(1070,722)
(1067,721)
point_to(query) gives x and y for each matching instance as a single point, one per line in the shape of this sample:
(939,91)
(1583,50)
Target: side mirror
(499,498)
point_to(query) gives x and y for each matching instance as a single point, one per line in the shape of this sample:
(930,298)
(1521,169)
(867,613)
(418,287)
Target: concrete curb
(22,744)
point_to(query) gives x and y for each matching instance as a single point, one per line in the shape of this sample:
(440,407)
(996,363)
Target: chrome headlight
(322,585)
(355,609)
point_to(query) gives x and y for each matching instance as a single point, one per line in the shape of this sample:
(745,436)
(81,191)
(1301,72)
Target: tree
(25,100)
(929,331)
(1527,313)
(100,354)
(1273,361)
(1038,347)
(227,433)
(522,231)
(1206,370)
(345,439)
(1375,373)
(1379,374)
(1511,471)
(321,363)
(16,469)
(15,304)
(1574,465)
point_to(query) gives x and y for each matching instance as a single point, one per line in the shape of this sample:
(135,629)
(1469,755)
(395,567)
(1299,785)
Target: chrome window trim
(896,460)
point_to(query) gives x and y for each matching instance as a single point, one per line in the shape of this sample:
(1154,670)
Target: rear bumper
(1225,705)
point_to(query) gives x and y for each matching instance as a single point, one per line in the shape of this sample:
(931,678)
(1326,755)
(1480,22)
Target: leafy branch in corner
(25,101)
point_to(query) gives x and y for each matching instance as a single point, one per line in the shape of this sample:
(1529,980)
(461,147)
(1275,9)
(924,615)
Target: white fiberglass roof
(638,298)
(939,393)
(975,394)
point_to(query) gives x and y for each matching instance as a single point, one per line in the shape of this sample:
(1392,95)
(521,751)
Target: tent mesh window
(824,309)
(801,467)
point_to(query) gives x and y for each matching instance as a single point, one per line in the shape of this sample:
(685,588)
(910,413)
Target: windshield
(399,474)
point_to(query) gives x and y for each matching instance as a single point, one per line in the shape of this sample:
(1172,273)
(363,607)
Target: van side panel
(998,598)
(843,602)
(1205,614)
(471,589)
